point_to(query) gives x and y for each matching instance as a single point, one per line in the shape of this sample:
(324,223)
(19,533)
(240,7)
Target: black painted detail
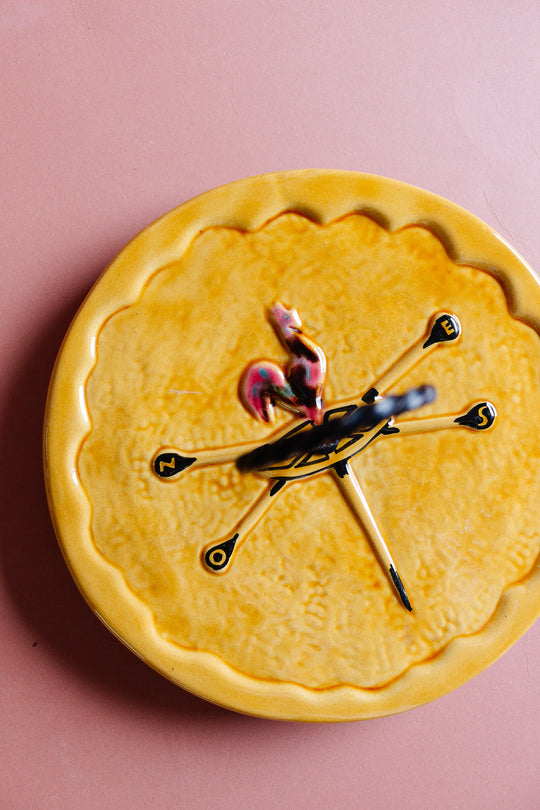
(341,409)
(278,484)
(344,444)
(297,379)
(168,464)
(299,348)
(217,557)
(446,327)
(342,468)
(315,458)
(480,417)
(315,439)
(396,579)
(369,441)
(389,430)
(260,458)
(370,396)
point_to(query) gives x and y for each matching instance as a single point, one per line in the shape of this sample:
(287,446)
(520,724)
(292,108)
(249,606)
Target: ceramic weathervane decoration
(325,439)
(237,484)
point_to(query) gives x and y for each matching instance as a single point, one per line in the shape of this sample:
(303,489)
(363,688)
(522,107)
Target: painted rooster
(297,386)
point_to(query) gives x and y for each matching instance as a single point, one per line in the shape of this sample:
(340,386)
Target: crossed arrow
(305,449)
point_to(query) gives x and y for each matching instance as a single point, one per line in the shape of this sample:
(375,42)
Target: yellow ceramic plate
(282,604)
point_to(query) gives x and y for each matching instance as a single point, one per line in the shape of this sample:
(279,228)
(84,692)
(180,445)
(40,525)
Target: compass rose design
(325,439)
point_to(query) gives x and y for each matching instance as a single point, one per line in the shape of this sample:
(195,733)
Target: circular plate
(272,594)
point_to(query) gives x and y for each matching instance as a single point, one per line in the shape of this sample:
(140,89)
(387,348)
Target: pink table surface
(113,113)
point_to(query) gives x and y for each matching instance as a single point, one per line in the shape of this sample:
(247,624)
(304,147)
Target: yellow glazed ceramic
(280,591)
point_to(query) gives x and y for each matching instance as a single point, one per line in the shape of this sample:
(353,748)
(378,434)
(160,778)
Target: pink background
(113,113)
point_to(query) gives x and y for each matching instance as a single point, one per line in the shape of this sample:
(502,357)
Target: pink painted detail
(299,385)
(285,321)
(306,369)
(262,386)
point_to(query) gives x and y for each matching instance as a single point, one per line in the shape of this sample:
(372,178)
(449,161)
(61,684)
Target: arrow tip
(400,588)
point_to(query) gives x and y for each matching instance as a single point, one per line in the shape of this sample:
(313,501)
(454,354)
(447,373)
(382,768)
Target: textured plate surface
(304,623)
